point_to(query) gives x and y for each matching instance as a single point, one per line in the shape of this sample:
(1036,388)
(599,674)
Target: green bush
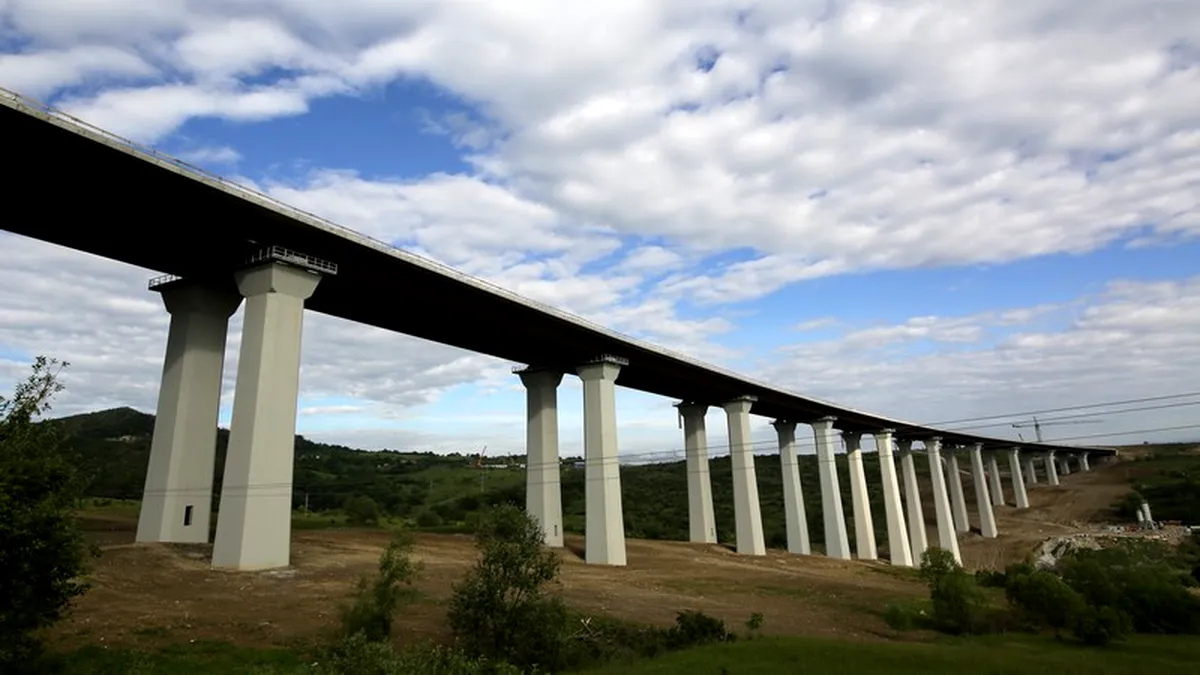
(1044,600)
(427,518)
(693,628)
(356,655)
(361,510)
(1100,626)
(959,605)
(1142,580)
(377,600)
(903,617)
(501,609)
(43,556)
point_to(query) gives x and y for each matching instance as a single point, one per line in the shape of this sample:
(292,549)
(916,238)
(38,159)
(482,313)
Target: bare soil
(149,594)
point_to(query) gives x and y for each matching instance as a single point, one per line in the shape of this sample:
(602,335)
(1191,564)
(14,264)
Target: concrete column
(702,525)
(1020,496)
(1083,462)
(177,499)
(837,544)
(864,525)
(1146,512)
(1030,472)
(746,511)
(899,546)
(914,514)
(1064,466)
(254,526)
(543,487)
(983,501)
(947,538)
(793,493)
(993,477)
(1051,469)
(958,502)
(605,520)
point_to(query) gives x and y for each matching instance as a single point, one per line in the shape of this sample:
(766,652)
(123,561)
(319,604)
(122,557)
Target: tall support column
(793,494)
(543,477)
(177,499)
(1020,496)
(605,519)
(254,526)
(912,502)
(947,538)
(837,544)
(899,547)
(702,525)
(1051,469)
(993,477)
(1030,472)
(864,525)
(1083,462)
(746,511)
(983,501)
(1064,466)
(957,501)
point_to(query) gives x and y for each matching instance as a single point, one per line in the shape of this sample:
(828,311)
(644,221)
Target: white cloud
(211,155)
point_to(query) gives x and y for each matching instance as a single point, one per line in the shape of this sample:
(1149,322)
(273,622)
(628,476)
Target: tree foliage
(42,552)
(376,600)
(501,609)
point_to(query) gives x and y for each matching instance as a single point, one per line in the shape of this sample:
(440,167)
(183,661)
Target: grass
(995,655)
(199,658)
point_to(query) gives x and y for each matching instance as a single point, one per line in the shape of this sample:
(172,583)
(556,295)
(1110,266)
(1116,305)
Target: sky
(931,211)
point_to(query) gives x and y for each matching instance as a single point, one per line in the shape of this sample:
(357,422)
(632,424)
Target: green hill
(113,447)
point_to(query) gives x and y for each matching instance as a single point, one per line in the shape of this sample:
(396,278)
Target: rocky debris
(1053,549)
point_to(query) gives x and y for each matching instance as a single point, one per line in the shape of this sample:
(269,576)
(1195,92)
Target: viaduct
(222,245)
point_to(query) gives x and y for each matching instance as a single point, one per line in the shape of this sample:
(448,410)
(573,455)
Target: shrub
(694,628)
(427,518)
(959,605)
(356,655)
(1100,626)
(361,510)
(1043,599)
(43,556)
(376,600)
(500,610)
(902,617)
(1138,581)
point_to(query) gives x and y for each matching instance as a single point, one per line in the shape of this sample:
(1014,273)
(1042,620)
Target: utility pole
(1037,425)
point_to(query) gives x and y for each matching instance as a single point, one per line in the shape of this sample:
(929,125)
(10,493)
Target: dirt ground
(155,594)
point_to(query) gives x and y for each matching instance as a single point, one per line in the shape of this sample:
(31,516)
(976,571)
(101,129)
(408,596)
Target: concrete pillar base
(899,546)
(254,526)
(793,493)
(947,538)
(864,525)
(837,543)
(1020,496)
(605,517)
(543,478)
(702,524)
(1051,469)
(747,512)
(958,501)
(983,500)
(993,477)
(177,498)
(915,515)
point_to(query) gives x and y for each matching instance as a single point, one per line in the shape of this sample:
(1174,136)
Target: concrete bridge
(221,244)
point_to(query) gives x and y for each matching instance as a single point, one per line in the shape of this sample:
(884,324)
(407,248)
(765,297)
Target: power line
(1068,408)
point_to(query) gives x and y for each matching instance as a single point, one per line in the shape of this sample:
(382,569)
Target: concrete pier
(747,514)
(793,493)
(947,537)
(605,520)
(864,525)
(914,514)
(837,544)
(177,497)
(993,477)
(543,477)
(1020,496)
(1083,462)
(983,500)
(1030,472)
(702,524)
(899,546)
(958,502)
(253,529)
(1051,468)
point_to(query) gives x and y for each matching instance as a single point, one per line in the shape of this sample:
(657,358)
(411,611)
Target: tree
(42,552)
(361,510)
(501,609)
(376,600)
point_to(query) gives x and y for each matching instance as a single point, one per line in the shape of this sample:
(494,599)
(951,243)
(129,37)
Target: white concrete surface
(702,524)
(543,475)
(993,477)
(947,538)
(1030,473)
(1051,468)
(918,540)
(1083,462)
(1020,495)
(793,492)
(747,514)
(983,500)
(837,543)
(254,525)
(899,546)
(605,519)
(958,502)
(864,525)
(177,496)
